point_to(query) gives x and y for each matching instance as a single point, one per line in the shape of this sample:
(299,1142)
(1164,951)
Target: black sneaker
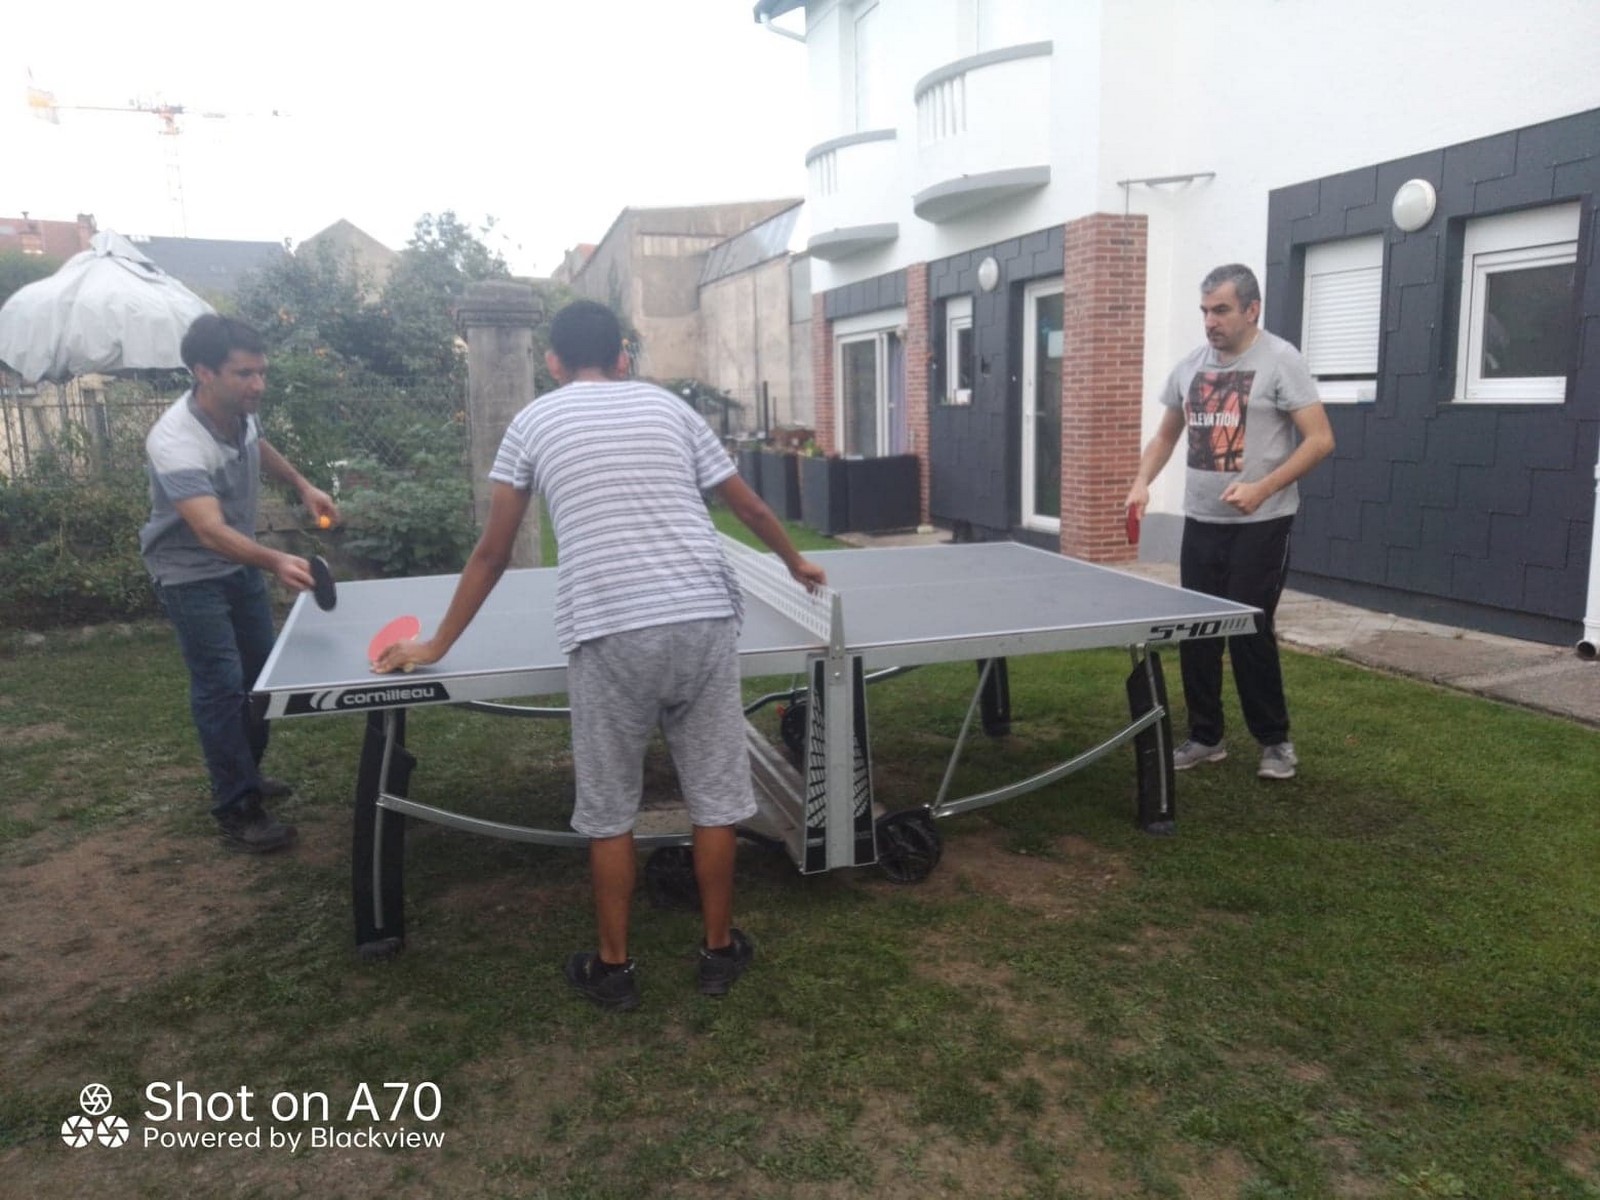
(275,789)
(720,968)
(249,828)
(615,989)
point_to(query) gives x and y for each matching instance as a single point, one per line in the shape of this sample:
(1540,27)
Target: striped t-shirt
(621,466)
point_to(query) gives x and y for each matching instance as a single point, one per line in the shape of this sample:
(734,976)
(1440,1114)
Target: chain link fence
(94,428)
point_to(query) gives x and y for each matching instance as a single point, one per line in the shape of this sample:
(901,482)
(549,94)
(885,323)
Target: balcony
(852,178)
(983,131)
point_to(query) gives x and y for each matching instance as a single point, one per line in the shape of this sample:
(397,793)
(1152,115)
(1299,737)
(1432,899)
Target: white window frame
(869,327)
(957,318)
(1341,319)
(1539,237)
(1031,295)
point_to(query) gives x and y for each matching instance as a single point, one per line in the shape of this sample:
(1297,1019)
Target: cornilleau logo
(385,696)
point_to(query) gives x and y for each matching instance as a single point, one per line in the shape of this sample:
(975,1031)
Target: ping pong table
(885,611)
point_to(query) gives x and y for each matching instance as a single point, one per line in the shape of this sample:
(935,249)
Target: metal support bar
(527,711)
(1045,778)
(961,738)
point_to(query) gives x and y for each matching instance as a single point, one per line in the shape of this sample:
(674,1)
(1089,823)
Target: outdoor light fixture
(988,274)
(1414,202)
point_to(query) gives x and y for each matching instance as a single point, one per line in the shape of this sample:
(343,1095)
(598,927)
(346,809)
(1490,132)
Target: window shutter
(1343,307)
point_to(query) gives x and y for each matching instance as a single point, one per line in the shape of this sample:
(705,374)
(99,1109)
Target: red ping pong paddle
(322,589)
(401,629)
(1133,524)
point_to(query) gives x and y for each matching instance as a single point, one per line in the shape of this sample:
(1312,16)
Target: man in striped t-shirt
(647,610)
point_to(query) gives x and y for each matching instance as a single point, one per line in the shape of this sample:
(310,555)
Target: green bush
(410,520)
(71,552)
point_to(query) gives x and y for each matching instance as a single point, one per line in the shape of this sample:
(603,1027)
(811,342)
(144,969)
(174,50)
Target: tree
(312,303)
(18,270)
(443,257)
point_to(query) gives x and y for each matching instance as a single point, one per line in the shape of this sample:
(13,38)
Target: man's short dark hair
(586,334)
(212,338)
(1243,279)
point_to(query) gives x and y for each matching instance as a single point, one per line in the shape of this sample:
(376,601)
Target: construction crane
(44,106)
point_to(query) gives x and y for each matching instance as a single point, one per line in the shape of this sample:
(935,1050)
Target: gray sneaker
(1278,762)
(1193,753)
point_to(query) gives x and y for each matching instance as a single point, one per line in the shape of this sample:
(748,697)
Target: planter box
(823,502)
(780,484)
(860,495)
(882,493)
(750,468)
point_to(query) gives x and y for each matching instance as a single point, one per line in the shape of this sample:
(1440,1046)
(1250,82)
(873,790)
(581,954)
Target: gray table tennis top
(901,606)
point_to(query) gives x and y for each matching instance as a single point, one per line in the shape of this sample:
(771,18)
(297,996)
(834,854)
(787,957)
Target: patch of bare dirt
(106,915)
(1582,1157)
(32,735)
(1058,886)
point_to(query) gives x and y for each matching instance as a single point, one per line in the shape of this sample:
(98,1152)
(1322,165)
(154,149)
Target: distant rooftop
(214,266)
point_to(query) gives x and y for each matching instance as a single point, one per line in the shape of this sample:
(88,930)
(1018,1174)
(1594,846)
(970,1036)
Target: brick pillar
(1102,382)
(822,376)
(919,346)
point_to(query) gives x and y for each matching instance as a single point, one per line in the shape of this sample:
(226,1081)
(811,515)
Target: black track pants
(1244,562)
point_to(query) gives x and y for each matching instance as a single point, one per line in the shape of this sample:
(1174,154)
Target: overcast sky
(548,116)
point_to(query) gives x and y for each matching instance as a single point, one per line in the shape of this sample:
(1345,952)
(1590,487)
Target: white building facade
(1012,203)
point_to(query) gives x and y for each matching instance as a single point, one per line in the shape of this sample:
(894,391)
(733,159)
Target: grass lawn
(1381,979)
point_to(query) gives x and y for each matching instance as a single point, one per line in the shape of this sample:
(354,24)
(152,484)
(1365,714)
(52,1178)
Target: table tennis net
(765,577)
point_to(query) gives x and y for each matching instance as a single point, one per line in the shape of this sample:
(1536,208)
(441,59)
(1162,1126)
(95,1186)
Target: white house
(1012,203)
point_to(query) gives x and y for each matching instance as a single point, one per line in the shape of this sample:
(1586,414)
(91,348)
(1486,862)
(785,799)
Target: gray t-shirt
(188,458)
(1239,425)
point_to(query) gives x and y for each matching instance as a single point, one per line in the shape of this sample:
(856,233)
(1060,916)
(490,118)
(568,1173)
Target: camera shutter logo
(77,1131)
(112,1130)
(95,1099)
(80,1129)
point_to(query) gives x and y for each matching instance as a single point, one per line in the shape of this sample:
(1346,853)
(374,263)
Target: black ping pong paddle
(322,589)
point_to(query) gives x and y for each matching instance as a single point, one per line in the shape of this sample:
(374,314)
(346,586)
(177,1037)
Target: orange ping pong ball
(324,521)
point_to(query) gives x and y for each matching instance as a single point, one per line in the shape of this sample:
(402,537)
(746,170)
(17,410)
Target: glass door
(1042,310)
(872,403)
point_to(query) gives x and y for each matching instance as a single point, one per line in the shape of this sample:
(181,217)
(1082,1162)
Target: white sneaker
(1193,753)
(1278,762)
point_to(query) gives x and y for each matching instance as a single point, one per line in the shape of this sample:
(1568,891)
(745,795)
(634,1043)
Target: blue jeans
(224,628)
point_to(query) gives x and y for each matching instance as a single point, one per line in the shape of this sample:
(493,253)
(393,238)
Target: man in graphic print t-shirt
(1241,399)
(647,610)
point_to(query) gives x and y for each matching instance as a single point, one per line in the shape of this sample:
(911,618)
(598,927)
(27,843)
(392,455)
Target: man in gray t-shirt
(1241,399)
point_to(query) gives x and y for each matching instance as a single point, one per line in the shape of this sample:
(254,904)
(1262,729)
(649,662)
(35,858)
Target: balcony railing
(852,181)
(983,130)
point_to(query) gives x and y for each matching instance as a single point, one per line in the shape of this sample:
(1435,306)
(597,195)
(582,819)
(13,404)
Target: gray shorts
(683,677)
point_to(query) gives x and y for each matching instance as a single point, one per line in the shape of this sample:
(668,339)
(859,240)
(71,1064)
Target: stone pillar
(497,319)
(1102,382)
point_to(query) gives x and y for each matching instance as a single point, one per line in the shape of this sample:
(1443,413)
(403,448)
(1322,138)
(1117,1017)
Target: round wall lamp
(1414,202)
(988,274)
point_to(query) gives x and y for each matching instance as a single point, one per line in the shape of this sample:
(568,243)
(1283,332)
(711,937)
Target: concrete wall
(745,339)
(648,268)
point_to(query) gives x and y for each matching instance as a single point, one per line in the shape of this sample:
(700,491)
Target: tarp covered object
(109,308)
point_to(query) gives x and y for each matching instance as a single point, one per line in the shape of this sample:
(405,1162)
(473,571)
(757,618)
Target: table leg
(1152,746)
(996,711)
(379,845)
